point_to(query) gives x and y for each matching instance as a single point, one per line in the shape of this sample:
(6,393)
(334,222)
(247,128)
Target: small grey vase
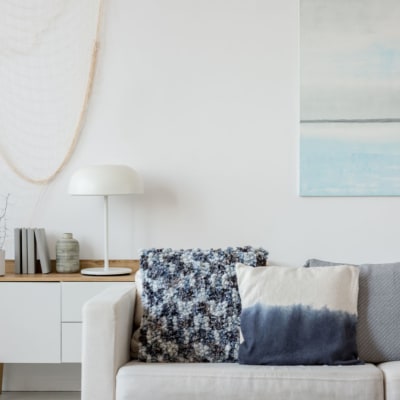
(67,254)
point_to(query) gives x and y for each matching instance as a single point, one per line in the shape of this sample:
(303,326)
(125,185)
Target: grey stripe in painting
(351,121)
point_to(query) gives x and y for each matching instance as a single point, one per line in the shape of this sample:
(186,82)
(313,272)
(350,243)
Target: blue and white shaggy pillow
(293,316)
(191,304)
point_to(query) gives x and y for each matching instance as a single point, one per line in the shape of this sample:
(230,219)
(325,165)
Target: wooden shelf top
(58,277)
(10,276)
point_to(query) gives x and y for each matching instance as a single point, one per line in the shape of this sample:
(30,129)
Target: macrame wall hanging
(48,52)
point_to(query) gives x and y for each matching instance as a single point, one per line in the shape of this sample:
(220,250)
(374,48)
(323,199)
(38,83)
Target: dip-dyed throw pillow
(191,304)
(298,316)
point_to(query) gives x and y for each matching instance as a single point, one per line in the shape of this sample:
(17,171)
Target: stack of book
(31,251)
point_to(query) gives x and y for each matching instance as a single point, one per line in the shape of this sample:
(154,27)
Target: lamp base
(105,272)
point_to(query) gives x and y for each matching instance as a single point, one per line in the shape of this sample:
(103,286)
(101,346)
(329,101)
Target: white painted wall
(202,98)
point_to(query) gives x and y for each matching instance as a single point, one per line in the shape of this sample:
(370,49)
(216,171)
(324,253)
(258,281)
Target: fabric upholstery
(106,334)
(106,376)
(391,378)
(293,316)
(232,381)
(378,310)
(191,304)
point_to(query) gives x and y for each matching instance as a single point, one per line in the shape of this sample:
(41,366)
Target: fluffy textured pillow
(191,304)
(378,310)
(293,316)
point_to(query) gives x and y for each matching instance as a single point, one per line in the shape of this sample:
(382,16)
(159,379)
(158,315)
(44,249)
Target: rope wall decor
(48,56)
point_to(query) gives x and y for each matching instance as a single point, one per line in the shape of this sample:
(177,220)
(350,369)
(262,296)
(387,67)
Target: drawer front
(30,322)
(71,342)
(76,294)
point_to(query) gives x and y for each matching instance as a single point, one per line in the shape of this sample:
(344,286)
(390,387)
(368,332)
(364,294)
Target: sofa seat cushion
(232,381)
(391,376)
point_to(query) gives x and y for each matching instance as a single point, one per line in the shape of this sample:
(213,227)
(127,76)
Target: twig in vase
(3,222)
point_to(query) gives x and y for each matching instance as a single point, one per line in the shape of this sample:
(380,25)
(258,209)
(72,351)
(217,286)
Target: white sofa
(108,373)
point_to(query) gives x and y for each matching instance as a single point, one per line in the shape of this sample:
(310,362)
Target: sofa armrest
(106,336)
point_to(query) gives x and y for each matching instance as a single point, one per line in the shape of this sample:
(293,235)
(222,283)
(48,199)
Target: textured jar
(67,254)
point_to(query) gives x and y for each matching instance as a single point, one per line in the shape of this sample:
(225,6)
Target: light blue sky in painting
(350,70)
(358,163)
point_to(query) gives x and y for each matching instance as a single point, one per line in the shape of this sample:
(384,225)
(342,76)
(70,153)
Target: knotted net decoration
(48,52)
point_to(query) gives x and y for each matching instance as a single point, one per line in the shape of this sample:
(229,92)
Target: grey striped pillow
(378,328)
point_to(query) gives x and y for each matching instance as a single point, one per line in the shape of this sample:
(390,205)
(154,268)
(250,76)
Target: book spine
(24,251)
(31,251)
(17,250)
(42,250)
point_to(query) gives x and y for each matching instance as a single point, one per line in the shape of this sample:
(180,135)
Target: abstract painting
(349,98)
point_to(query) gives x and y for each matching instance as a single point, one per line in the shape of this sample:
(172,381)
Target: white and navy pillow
(191,304)
(293,316)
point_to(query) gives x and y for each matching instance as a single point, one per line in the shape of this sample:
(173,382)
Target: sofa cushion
(232,381)
(191,304)
(391,379)
(293,316)
(378,310)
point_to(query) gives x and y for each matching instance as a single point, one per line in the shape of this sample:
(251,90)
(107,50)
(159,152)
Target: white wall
(201,97)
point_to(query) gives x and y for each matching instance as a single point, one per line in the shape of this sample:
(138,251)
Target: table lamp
(105,180)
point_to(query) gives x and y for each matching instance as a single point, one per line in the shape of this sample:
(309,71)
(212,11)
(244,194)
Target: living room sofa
(110,373)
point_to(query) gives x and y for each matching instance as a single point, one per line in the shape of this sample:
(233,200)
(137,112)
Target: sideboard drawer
(73,296)
(71,342)
(30,322)
(76,294)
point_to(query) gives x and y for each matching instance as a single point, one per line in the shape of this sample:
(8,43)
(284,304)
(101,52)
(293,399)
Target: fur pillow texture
(191,303)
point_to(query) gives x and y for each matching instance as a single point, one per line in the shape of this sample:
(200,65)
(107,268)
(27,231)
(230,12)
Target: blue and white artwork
(350,98)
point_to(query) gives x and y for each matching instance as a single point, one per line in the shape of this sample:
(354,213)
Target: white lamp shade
(104,180)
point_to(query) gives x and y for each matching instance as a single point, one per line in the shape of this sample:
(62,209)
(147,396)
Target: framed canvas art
(349,98)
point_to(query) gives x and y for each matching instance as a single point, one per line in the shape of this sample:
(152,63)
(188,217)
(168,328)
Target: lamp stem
(106,265)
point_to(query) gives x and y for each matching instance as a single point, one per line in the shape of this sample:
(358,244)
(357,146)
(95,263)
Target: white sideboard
(41,315)
(73,297)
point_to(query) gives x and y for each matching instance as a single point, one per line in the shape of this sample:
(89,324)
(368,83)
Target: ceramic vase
(67,254)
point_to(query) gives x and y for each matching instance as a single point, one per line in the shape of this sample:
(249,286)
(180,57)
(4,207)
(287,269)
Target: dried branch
(3,221)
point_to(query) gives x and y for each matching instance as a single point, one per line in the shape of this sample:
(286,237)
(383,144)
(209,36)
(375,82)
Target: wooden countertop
(10,276)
